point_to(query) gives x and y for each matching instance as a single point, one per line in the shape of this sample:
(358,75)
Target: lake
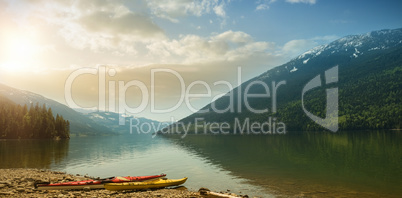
(323,164)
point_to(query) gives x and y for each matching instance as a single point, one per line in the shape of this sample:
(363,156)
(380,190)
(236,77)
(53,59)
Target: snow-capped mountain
(352,46)
(369,83)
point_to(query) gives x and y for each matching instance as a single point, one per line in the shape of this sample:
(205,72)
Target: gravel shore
(20,183)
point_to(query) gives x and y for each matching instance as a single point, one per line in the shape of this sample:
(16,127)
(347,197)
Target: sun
(18,53)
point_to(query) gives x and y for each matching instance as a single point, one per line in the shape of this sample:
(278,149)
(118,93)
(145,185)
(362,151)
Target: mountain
(368,88)
(79,124)
(138,125)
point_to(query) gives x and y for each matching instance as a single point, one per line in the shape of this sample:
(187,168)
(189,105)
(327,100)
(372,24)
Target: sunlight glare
(20,54)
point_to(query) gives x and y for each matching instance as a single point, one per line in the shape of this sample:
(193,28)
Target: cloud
(174,9)
(107,32)
(262,7)
(228,45)
(235,37)
(101,26)
(302,1)
(219,11)
(294,48)
(263,4)
(127,24)
(326,39)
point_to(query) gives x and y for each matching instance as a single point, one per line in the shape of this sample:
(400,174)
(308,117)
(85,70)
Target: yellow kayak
(157,183)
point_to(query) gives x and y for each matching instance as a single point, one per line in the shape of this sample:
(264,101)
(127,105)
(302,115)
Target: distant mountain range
(369,84)
(79,124)
(134,125)
(84,122)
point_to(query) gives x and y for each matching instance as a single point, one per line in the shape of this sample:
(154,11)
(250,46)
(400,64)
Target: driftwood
(209,193)
(221,195)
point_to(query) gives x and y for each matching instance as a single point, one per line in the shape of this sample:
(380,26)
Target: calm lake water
(323,164)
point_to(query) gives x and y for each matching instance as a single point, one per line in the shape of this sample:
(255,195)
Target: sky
(199,44)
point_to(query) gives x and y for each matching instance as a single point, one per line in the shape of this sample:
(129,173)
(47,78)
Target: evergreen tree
(21,122)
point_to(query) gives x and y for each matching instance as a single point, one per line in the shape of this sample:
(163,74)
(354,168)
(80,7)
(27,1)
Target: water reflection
(32,153)
(300,163)
(143,155)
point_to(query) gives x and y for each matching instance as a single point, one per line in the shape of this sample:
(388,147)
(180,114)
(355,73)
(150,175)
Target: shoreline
(19,182)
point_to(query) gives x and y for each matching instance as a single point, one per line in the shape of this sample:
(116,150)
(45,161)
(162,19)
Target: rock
(29,191)
(64,192)
(29,184)
(6,193)
(29,179)
(20,189)
(203,191)
(3,185)
(68,178)
(86,189)
(38,181)
(54,179)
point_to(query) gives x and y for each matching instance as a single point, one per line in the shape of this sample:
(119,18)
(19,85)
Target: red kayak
(94,184)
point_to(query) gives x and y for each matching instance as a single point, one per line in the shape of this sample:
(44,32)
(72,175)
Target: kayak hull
(72,187)
(158,183)
(94,184)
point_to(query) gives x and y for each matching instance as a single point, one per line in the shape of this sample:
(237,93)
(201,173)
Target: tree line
(35,122)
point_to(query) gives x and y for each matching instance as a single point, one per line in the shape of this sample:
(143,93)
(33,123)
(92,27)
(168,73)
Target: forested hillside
(35,122)
(79,124)
(369,84)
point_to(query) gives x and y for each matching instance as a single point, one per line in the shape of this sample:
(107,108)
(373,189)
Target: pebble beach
(20,183)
